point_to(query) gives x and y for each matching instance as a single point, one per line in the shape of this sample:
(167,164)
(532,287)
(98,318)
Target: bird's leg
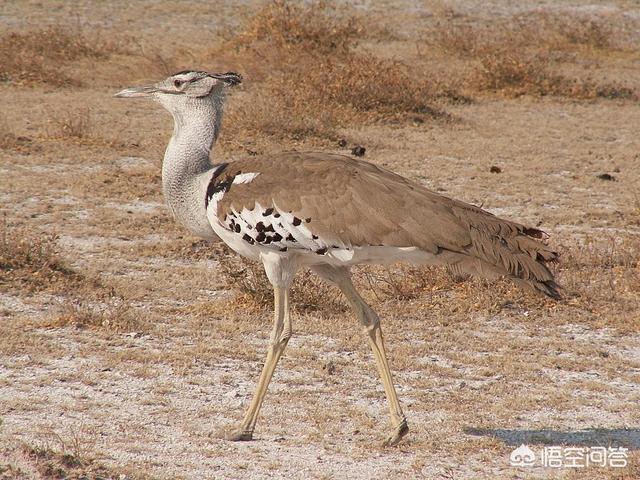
(279,338)
(371,323)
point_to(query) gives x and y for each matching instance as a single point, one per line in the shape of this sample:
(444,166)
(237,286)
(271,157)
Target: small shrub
(308,78)
(246,278)
(370,85)
(569,30)
(30,259)
(458,39)
(8,139)
(38,56)
(287,114)
(519,55)
(113,314)
(317,26)
(539,32)
(71,124)
(515,73)
(249,281)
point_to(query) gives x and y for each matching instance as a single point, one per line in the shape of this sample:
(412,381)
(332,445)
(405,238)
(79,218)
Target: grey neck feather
(186,169)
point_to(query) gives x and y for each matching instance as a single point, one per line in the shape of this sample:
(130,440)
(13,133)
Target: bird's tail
(502,248)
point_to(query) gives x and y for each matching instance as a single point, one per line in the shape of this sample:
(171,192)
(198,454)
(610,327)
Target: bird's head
(184,88)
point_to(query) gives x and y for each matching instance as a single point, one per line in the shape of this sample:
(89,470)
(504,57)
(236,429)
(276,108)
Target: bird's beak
(137,92)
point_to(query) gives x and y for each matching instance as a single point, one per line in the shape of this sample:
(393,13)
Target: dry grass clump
(8,139)
(399,282)
(317,26)
(395,292)
(541,31)
(249,281)
(113,314)
(277,110)
(79,125)
(28,58)
(566,30)
(368,84)
(31,260)
(309,77)
(523,54)
(309,293)
(602,279)
(71,124)
(514,73)
(327,94)
(43,462)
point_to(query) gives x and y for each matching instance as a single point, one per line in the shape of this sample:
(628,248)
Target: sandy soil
(479,369)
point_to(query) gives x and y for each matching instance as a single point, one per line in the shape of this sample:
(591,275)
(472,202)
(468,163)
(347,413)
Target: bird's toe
(398,432)
(238,435)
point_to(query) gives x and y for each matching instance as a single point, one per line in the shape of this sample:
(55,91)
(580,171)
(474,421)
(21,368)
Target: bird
(325,212)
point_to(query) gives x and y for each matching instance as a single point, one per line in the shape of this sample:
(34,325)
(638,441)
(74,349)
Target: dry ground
(126,344)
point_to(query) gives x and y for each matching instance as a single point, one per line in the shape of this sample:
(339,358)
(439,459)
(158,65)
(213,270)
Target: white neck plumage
(186,169)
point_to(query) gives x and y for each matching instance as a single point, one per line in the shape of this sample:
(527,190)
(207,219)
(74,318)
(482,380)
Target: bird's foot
(237,435)
(398,432)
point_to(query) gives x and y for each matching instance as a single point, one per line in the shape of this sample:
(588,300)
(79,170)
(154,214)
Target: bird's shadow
(590,437)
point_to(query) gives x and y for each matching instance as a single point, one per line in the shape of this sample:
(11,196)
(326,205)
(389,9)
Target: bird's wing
(343,200)
(338,200)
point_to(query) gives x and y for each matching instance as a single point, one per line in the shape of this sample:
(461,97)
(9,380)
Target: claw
(400,431)
(238,435)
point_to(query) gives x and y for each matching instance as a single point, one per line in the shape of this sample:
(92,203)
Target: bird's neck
(186,167)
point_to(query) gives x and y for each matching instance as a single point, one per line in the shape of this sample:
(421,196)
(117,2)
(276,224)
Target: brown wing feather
(358,203)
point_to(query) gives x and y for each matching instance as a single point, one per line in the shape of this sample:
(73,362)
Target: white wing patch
(244,178)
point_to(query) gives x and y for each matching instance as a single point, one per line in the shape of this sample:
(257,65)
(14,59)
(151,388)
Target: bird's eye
(177,83)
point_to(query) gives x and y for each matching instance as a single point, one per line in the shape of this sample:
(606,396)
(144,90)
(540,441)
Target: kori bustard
(326,212)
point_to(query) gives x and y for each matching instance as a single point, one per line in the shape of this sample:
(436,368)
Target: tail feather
(502,248)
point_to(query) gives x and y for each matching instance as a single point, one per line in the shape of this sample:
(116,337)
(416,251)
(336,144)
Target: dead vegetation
(308,77)
(249,281)
(40,56)
(513,73)
(67,462)
(310,72)
(525,55)
(317,26)
(71,124)
(81,126)
(553,32)
(8,139)
(31,260)
(310,293)
(113,314)
(602,280)
(312,69)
